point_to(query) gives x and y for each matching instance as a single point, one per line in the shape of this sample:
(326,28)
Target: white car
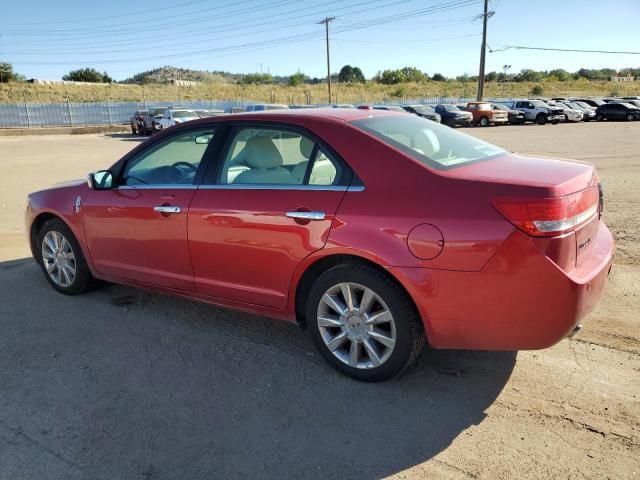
(570,114)
(173,117)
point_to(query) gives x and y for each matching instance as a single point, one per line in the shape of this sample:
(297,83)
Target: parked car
(372,265)
(594,102)
(236,109)
(515,117)
(536,111)
(631,97)
(209,113)
(364,107)
(343,105)
(453,116)
(570,114)
(259,107)
(588,113)
(423,111)
(635,103)
(390,108)
(617,111)
(135,118)
(146,120)
(176,116)
(484,115)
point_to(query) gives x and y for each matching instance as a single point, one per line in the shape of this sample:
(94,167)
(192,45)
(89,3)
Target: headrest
(306,147)
(260,152)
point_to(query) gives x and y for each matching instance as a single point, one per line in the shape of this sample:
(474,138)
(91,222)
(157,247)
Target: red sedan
(375,230)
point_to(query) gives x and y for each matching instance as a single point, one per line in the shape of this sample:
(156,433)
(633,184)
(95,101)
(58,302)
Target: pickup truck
(536,111)
(484,114)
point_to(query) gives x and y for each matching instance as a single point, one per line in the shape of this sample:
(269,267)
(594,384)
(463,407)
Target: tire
(541,119)
(630,117)
(356,351)
(599,117)
(59,277)
(484,122)
(555,122)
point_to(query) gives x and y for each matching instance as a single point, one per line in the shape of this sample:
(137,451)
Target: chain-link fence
(70,114)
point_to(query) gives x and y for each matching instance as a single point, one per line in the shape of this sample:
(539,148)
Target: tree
(88,75)
(491,77)
(349,74)
(412,74)
(528,75)
(438,77)
(561,74)
(8,75)
(390,77)
(537,90)
(250,78)
(297,78)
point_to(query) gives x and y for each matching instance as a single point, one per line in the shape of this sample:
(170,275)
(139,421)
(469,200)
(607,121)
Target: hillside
(352,93)
(167,74)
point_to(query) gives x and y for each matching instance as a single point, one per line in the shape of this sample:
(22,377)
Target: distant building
(623,79)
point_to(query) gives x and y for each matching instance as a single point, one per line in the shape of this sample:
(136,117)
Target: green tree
(390,77)
(537,90)
(250,78)
(8,75)
(412,74)
(297,78)
(491,77)
(438,77)
(88,75)
(561,74)
(349,74)
(528,75)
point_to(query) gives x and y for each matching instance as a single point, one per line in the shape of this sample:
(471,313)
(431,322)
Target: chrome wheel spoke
(330,321)
(334,303)
(368,298)
(383,339)
(65,274)
(337,341)
(48,240)
(371,352)
(69,256)
(347,295)
(58,258)
(50,267)
(47,255)
(354,353)
(377,318)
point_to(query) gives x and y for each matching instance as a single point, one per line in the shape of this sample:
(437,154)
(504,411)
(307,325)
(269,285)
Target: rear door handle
(306,215)
(167,209)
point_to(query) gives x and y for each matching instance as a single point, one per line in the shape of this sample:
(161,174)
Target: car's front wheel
(541,119)
(61,259)
(363,323)
(484,122)
(630,117)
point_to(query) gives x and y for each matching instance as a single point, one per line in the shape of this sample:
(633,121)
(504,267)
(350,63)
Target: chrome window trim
(255,186)
(158,186)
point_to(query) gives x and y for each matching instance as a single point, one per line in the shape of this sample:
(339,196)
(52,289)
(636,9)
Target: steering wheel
(177,173)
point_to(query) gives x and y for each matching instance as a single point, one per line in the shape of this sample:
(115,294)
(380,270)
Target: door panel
(244,247)
(128,238)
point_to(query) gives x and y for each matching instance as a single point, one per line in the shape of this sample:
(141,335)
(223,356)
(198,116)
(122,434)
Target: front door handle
(167,209)
(306,215)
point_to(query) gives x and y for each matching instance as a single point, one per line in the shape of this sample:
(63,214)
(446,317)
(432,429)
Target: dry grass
(346,93)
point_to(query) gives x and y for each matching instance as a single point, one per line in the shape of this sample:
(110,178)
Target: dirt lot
(120,383)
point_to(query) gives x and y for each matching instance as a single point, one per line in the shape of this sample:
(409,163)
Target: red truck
(484,115)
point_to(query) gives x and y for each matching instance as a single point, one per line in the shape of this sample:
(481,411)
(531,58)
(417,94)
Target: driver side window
(171,162)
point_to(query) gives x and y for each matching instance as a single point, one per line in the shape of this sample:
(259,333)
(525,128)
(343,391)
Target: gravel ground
(120,383)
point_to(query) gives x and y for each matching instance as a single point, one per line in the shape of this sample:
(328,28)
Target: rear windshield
(435,145)
(184,114)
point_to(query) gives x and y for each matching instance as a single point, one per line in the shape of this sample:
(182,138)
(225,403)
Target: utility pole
(483,50)
(326,22)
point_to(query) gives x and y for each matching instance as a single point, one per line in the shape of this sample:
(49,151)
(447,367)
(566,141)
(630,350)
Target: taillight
(550,216)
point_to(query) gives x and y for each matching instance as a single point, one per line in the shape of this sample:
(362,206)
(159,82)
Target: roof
(343,114)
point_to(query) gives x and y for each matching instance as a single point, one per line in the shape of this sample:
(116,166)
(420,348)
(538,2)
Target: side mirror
(100,180)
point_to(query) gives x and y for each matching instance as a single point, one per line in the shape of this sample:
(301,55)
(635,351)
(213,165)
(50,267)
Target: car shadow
(121,383)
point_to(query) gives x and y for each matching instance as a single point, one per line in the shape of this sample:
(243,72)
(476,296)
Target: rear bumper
(521,300)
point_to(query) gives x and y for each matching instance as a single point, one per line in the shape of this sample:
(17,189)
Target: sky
(46,39)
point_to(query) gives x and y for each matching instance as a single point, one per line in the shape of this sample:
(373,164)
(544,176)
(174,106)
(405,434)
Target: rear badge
(584,243)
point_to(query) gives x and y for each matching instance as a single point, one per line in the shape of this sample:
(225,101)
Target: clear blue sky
(45,38)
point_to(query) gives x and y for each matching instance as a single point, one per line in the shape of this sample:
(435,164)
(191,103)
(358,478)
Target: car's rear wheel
(630,117)
(541,119)
(484,122)
(599,117)
(363,323)
(61,259)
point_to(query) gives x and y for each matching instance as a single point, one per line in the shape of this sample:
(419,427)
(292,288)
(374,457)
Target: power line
(518,47)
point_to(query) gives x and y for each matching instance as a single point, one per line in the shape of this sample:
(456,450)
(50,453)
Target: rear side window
(433,144)
(273,156)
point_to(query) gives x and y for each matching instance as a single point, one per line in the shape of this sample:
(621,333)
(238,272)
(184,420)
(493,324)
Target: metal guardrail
(70,114)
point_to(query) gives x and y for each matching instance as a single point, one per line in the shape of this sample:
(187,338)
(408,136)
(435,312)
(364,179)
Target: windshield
(158,111)
(435,145)
(484,106)
(422,108)
(183,114)
(539,104)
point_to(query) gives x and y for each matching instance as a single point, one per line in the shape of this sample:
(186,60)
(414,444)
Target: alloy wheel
(58,258)
(356,325)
